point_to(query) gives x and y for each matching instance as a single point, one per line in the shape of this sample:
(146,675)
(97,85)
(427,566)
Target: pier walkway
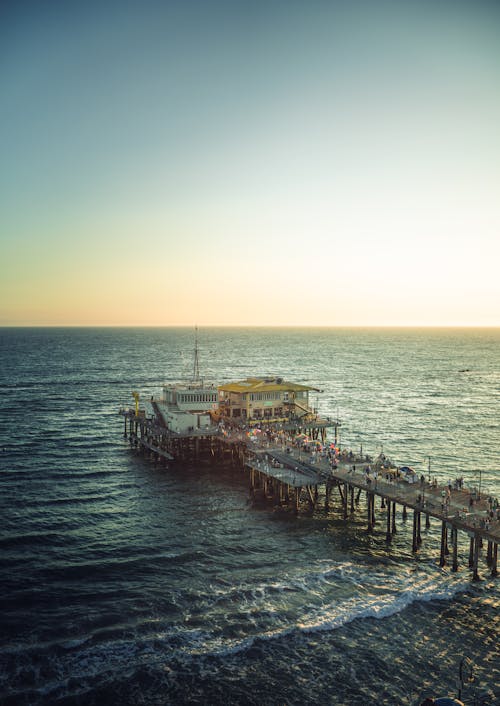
(426,496)
(456,508)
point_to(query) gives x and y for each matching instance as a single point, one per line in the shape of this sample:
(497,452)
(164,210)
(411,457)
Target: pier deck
(297,476)
(425,498)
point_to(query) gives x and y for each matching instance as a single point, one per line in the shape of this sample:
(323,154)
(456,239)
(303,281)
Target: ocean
(127,582)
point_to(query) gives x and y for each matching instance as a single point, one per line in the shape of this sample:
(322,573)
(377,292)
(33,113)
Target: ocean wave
(32,539)
(380,606)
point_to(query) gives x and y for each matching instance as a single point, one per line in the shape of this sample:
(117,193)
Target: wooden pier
(281,474)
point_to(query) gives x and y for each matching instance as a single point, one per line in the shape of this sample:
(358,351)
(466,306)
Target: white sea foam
(381,594)
(379,606)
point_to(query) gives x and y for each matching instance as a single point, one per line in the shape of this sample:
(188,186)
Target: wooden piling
(327,497)
(369,498)
(415,532)
(454,542)
(388,534)
(489,553)
(442,559)
(471,552)
(298,491)
(477,545)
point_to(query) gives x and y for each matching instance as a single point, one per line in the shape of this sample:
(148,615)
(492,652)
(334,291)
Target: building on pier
(185,407)
(265,398)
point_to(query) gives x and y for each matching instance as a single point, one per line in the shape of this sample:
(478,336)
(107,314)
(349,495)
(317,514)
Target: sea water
(127,582)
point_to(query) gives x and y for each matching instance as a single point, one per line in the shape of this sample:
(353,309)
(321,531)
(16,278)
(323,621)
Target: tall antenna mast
(196,369)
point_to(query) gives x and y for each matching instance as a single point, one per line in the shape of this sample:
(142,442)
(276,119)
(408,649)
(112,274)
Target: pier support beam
(477,545)
(388,535)
(415,542)
(489,553)
(454,542)
(471,552)
(252,481)
(297,499)
(311,497)
(370,502)
(442,555)
(327,496)
(494,560)
(393,528)
(344,501)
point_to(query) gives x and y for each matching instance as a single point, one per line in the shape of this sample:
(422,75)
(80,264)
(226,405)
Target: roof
(265,385)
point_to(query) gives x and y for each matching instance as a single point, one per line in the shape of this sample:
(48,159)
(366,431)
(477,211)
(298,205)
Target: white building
(186,407)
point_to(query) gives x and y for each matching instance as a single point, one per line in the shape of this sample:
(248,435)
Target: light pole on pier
(429,469)
(479,491)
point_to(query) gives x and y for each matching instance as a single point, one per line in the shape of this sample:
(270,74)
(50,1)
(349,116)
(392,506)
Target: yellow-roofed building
(268,399)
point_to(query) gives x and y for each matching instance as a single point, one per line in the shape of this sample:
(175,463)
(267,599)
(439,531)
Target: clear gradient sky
(250,163)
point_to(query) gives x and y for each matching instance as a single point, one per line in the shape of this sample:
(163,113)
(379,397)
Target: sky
(250,163)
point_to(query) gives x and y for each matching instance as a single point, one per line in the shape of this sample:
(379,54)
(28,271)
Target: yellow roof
(264,385)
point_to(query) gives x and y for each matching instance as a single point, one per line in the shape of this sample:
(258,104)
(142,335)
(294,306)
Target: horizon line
(253,326)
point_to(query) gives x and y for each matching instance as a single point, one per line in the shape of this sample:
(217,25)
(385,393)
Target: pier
(283,474)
